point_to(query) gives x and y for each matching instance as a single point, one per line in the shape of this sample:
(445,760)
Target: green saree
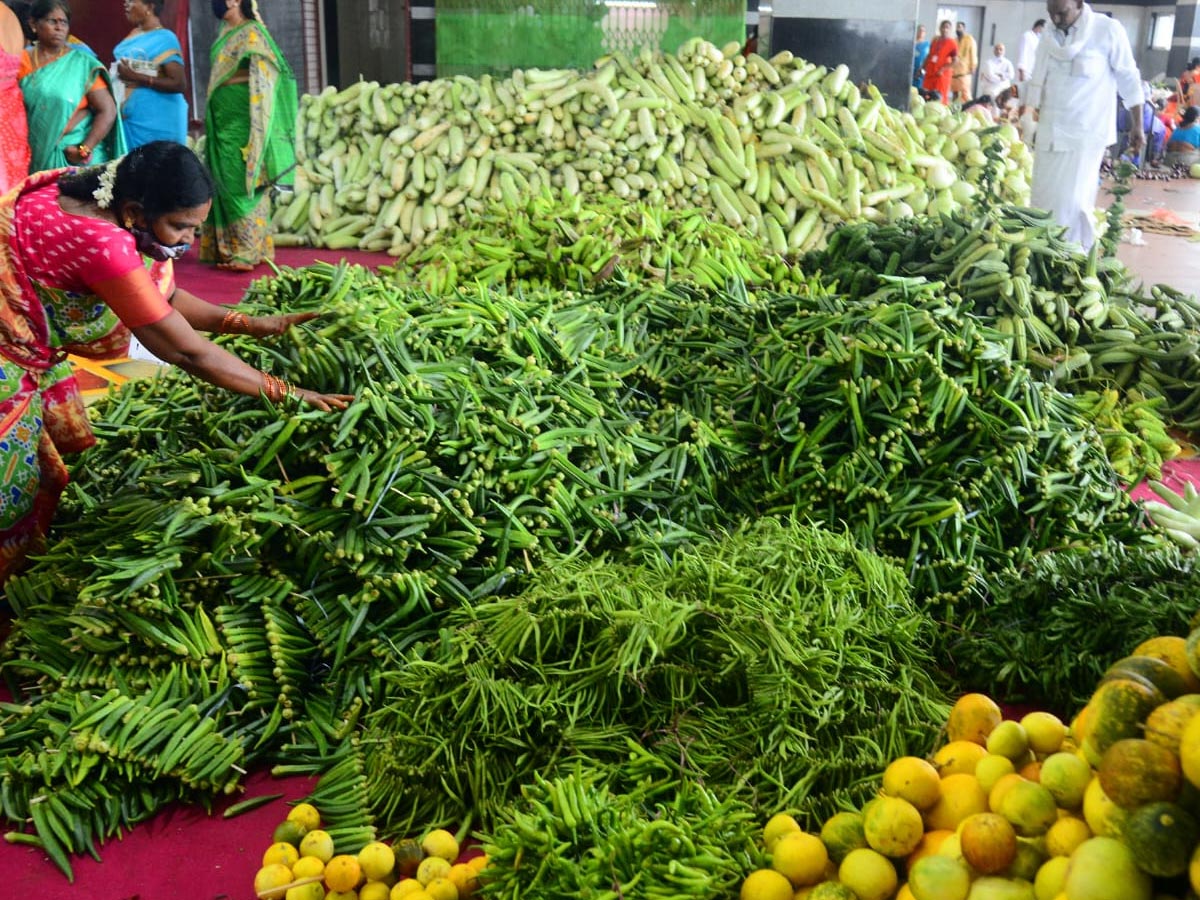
(249,128)
(52,97)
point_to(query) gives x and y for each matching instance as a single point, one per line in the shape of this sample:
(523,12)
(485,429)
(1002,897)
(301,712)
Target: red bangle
(233,323)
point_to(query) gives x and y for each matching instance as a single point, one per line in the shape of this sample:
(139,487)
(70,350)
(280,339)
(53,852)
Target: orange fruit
(1029,807)
(1000,788)
(841,833)
(892,826)
(1066,776)
(342,873)
(1045,731)
(958,758)
(972,718)
(931,841)
(801,858)
(991,769)
(961,796)
(913,779)
(988,842)
(939,878)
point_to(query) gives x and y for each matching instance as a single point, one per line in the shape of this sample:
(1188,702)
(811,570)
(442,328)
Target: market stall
(727,445)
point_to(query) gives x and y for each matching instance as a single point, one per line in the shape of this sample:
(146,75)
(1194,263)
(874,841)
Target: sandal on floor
(235,267)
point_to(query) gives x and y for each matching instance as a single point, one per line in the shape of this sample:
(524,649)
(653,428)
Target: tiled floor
(1165,259)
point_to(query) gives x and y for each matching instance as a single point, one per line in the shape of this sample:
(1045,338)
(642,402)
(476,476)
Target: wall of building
(1004,21)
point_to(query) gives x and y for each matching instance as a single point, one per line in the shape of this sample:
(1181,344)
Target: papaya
(1156,671)
(1162,836)
(1135,771)
(1171,649)
(1192,645)
(1116,712)
(1165,724)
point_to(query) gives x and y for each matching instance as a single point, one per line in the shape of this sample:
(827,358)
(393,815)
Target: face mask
(220,7)
(148,245)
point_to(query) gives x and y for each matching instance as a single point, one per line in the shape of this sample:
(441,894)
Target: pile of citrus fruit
(301,864)
(1024,809)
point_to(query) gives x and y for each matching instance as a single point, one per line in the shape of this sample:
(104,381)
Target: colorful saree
(53,95)
(249,146)
(14,137)
(41,412)
(150,115)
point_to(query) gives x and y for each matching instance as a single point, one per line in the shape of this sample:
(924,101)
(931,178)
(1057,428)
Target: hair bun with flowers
(103,195)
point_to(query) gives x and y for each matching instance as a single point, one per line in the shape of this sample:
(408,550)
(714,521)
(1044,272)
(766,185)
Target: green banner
(496,36)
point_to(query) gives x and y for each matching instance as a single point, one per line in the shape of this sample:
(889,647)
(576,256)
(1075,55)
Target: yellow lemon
(1051,878)
(373,890)
(992,768)
(440,843)
(868,873)
(1065,835)
(405,888)
(272,878)
(841,833)
(310,891)
(281,852)
(432,867)
(913,779)
(1045,732)
(777,826)
(306,815)
(958,758)
(1066,776)
(939,878)
(442,889)
(1008,739)
(1029,807)
(377,860)
(308,867)
(766,884)
(317,843)
(892,826)
(972,718)
(801,857)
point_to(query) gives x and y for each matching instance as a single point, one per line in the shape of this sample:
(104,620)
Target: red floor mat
(219,286)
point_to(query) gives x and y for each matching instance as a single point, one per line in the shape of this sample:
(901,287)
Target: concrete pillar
(1186,42)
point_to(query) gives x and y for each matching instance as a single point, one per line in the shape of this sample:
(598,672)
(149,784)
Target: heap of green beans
(779,664)
(277,558)
(574,836)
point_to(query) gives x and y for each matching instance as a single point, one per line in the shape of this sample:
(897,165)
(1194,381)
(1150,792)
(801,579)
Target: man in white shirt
(1027,50)
(996,73)
(1081,66)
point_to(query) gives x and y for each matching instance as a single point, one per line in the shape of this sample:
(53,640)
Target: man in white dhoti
(996,73)
(1081,66)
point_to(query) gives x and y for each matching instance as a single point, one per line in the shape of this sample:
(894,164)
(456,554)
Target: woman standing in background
(150,64)
(249,127)
(72,113)
(14,137)
(939,64)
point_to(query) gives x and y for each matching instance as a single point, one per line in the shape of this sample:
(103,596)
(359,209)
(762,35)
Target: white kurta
(995,74)
(1027,51)
(1076,79)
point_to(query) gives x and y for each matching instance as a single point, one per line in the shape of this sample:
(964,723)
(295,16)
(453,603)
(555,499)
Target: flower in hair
(103,195)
